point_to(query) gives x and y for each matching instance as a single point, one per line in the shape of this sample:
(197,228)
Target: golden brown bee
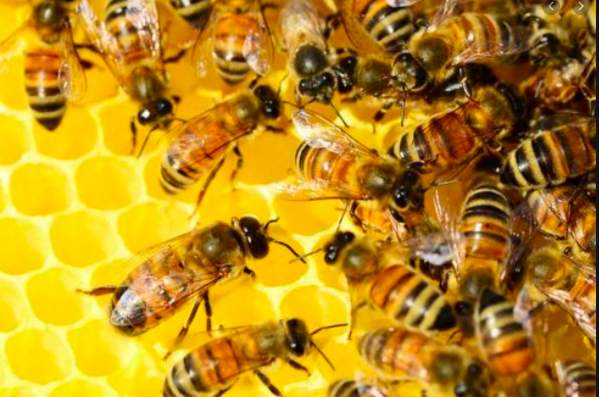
(567,213)
(128,37)
(502,336)
(195,12)
(577,379)
(167,276)
(238,38)
(377,24)
(201,144)
(53,71)
(567,283)
(357,388)
(562,150)
(399,354)
(454,137)
(213,368)
(403,295)
(332,165)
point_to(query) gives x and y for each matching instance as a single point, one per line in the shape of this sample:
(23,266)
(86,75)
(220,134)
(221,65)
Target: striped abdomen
(148,294)
(552,157)
(230,34)
(195,12)
(502,336)
(214,366)
(45,97)
(579,380)
(397,353)
(442,142)
(354,388)
(391,27)
(411,300)
(482,34)
(316,163)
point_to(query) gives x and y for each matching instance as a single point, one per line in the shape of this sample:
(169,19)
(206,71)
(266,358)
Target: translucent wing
(448,217)
(402,3)
(201,50)
(433,248)
(196,339)
(356,33)
(301,23)
(320,132)
(258,46)
(144,16)
(298,189)
(71,75)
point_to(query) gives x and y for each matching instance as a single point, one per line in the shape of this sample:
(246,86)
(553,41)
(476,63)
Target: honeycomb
(75,202)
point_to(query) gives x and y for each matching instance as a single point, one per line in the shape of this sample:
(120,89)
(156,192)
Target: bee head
(408,192)
(50,15)
(158,111)
(433,52)
(409,72)
(299,340)
(270,101)
(544,269)
(309,61)
(320,87)
(373,76)
(544,47)
(254,236)
(333,249)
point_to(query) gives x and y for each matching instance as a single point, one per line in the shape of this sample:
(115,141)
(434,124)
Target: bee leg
(208,308)
(223,391)
(99,291)
(465,80)
(383,111)
(185,329)
(238,165)
(354,315)
(249,272)
(207,183)
(352,98)
(266,382)
(177,57)
(295,365)
(354,216)
(133,127)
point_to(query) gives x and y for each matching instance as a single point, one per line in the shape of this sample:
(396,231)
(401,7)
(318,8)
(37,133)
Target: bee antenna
(290,248)
(143,146)
(306,255)
(403,102)
(323,355)
(281,83)
(270,222)
(339,115)
(327,327)
(292,104)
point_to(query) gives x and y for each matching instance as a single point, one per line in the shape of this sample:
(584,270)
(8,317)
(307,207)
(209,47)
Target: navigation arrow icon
(581,6)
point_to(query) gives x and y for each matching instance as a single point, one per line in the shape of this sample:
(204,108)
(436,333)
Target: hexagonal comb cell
(116,118)
(81,388)
(53,297)
(39,189)
(106,183)
(76,136)
(13,140)
(23,246)
(12,306)
(12,82)
(148,224)
(38,356)
(81,239)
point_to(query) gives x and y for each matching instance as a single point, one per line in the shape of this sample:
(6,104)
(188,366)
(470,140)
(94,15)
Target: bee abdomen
(504,339)
(412,300)
(580,380)
(316,163)
(175,177)
(389,26)
(228,48)
(195,12)
(353,388)
(44,95)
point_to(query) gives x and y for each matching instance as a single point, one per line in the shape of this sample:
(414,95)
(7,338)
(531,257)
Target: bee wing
(201,49)
(480,53)
(448,216)
(356,33)
(8,42)
(434,248)
(298,189)
(301,23)
(71,75)
(402,3)
(320,132)
(144,16)
(258,46)
(196,339)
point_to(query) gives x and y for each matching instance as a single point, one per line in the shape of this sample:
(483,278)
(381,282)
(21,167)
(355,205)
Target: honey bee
(332,165)
(567,213)
(403,295)
(194,12)
(167,276)
(238,38)
(502,335)
(399,354)
(128,37)
(564,148)
(201,144)
(53,72)
(569,284)
(213,368)
(457,38)
(454,137)
(358,388)
(577,379)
